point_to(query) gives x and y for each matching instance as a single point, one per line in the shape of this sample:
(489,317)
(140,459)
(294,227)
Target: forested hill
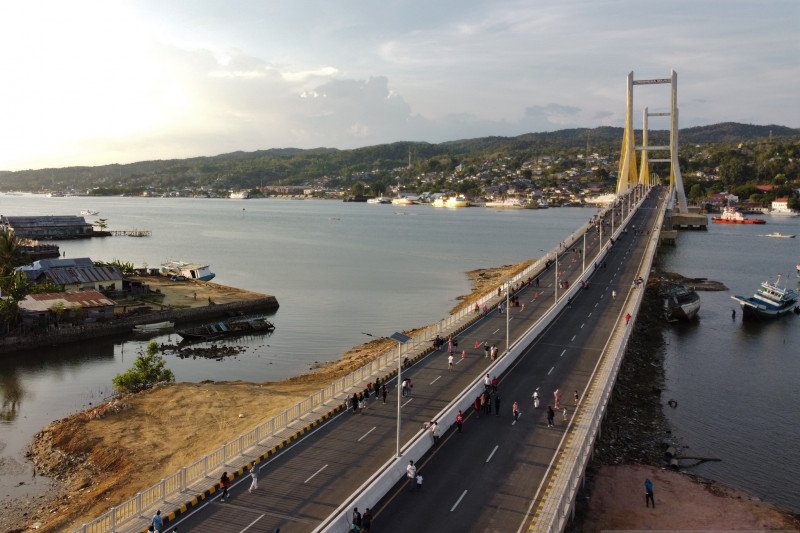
(295,166)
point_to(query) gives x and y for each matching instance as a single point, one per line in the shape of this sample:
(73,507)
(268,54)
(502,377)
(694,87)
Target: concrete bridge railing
(241,450)
(380,483)
(556,509)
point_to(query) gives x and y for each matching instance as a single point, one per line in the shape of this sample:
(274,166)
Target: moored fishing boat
(680,303)
(508,203)
(228,328)
(771,301)
(732,216)
(187,270)
(155,326)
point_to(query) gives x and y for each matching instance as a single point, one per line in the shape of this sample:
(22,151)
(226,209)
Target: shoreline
(87,475)
(89,453)
(631,447)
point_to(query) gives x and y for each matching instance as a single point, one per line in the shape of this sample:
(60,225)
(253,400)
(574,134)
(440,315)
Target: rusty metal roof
(83,299)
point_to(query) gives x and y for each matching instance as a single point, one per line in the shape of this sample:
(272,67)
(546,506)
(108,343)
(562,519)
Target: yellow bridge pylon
(627,175)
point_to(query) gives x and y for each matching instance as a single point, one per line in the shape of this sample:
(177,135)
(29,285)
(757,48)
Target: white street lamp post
(583,255)
(401,339)
(508,313)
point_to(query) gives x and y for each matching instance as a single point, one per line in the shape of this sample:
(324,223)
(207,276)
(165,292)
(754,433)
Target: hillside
(298,166)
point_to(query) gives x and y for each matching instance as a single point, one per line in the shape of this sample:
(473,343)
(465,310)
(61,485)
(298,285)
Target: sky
(98,82)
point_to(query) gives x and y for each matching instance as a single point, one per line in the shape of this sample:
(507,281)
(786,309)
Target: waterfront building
(78,307)
(47,227)
(74,274)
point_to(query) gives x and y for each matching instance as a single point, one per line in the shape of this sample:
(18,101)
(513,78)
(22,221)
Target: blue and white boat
(187,271)
(771,301)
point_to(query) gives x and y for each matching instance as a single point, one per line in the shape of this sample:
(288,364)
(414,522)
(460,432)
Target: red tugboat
(732,216)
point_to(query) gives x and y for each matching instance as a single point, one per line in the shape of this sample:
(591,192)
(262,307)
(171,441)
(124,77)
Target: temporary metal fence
(200,469)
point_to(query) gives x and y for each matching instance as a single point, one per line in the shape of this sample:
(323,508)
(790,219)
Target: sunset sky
(88,83)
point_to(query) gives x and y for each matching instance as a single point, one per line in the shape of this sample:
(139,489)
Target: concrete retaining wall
(125,325)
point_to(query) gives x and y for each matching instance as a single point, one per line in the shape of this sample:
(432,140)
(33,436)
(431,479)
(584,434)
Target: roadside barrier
(332,397)
(380,483)
(553,513)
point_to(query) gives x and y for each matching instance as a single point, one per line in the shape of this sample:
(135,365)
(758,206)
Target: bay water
(338,270)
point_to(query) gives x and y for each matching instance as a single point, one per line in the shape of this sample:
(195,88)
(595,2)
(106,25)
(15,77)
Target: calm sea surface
(339,269)
(736,383)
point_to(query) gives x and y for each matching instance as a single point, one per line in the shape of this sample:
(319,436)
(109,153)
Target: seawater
(735,381)
(337,269)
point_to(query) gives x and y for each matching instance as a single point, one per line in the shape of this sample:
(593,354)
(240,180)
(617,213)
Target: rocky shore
(632,447)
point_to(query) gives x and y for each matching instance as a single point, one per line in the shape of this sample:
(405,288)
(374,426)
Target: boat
(187,270)
(239,195)
(379,200)
(508,203)
(732,216)
(451,201)
(89,213)
(403,200)
(155,326)
(680,303)
(771,300)
(228,328)
(777,235)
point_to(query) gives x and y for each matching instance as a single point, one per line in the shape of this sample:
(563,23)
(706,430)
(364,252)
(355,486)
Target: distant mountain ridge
(294,165)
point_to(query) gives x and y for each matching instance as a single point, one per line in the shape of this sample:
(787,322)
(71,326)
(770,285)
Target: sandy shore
(102,456)
(683,502)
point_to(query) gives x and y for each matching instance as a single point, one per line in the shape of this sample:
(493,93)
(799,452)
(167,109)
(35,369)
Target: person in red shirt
(459,421)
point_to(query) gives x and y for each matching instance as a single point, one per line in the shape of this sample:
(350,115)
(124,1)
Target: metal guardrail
(182,479)
(555,514)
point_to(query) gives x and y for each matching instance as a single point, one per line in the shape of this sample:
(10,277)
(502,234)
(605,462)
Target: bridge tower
(627,176)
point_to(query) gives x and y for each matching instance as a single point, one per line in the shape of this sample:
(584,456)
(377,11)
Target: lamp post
(401,339)
(556,285)
(508,312)
(583,255)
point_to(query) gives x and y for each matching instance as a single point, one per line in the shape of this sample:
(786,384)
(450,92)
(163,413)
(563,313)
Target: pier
(131,233)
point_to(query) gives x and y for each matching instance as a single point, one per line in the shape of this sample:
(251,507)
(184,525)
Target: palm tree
(11,254)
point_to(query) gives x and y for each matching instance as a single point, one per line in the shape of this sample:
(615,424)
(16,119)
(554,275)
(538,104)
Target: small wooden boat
(155,326)
(228,328)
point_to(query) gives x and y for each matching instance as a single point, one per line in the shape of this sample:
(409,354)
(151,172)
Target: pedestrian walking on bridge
(515,410)
(459,421)
(254,477)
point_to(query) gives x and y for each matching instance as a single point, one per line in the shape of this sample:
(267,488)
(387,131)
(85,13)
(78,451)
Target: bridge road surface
(485,478)
(305,483)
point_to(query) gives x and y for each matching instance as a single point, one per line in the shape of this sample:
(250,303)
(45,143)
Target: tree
(696,192)
(11,254)
(148,370)
(101,223)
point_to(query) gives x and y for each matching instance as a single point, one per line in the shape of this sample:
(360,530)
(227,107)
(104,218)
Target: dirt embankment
(631,448)
(105,455)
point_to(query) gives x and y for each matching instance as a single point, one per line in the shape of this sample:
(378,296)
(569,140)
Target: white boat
(89,213)
(403,200)
(155,326)
(777,235)
(508,203)
(680,303)
(190,271)
(771,301)
(379,200)
(451,201)
(240,195)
